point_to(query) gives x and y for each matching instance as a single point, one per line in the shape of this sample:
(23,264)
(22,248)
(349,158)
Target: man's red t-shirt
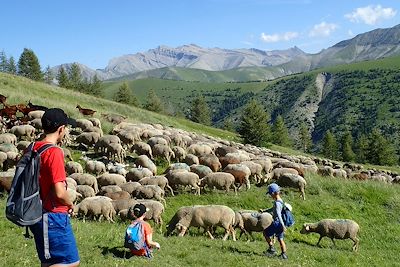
(52,171)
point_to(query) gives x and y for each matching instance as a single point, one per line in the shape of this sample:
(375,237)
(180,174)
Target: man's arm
(62,194)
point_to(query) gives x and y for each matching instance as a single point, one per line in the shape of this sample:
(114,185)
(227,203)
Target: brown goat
(85,111)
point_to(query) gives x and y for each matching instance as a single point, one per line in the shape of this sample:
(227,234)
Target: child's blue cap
(273,188)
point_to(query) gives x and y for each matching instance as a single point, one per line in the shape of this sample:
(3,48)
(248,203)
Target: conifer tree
(280,133)
(228,124)
(95,86)
(381,151)
(124,95)
(153,102)
(28,65)
(347,147)
(75,77)
(12,67)
(3,62)
(200,111)
(254,127)
(304,138)
(361,148)
(48,75)
(329,146)
(62,77)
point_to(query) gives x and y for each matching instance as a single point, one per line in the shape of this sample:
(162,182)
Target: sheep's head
(305,229)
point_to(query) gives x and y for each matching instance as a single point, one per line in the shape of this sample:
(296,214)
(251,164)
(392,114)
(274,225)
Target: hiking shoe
(283,256)
(270,252)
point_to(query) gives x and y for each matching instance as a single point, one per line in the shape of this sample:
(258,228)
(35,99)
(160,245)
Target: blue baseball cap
(273,188)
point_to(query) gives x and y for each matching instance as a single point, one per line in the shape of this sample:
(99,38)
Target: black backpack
(24,206)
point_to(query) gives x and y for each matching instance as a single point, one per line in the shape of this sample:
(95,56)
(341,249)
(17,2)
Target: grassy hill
(375,206)
(355,97)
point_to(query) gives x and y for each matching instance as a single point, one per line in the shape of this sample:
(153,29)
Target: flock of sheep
(111,183)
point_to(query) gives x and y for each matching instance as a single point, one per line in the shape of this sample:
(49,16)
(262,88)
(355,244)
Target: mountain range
(252,64)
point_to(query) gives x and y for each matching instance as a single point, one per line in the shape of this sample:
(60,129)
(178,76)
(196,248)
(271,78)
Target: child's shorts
(275,229)
(62,245)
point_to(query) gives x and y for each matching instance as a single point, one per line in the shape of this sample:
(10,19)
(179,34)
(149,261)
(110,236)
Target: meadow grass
(375,206)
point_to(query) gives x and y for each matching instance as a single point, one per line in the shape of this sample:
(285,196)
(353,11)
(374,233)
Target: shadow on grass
(296,240)
(233,249)
(118,252)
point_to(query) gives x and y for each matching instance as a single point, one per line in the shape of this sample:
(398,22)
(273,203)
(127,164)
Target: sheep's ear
(307,227)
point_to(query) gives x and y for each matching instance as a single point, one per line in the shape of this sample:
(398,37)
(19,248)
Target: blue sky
(92,32)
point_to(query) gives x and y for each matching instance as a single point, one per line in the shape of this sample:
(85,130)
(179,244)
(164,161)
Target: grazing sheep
(334,229)
(129,186)
(156,140)
(8,148)
(67,154)
(5,182)
(177,166)
(96,207)
(141,148)
(109,189)
(123,204)
(96,122)
(73,195)
(191,159)
(104,141)
(71,183)
(211,161)
(116,152)
(118,195)
(199,149)
(35,114)
(293,180)
(114,118)
(179,152)
(233,158)
(184,178)
(340,173)
(255,169)
(325,171)
(12,159)
(27,131)
(73,167)
(223,150)
(117,168)
(278,172)
(3,160)
(85,191)
(207,217)
(110,179)
(145,162)
(95,167)
(86,179)
(254,222)
(159,180)
(149,192)
(8,138)
(163,151)
(88,138)
(83,124)
(135,174)
(156,209)
(240,172)
(200,170)
(219,180)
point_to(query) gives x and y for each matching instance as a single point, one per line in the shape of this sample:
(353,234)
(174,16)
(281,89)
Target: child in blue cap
(277,228)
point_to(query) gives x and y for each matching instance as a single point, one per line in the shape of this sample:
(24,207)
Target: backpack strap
(44,147)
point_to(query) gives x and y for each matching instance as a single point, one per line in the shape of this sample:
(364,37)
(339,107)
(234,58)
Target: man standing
(54,239)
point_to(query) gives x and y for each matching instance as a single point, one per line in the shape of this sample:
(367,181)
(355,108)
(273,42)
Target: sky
(92,32)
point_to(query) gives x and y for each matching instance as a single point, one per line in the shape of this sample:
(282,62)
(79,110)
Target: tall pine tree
(95,86)
(305,141)
(62,77)
(28,65)
(329,146)
(381,151)
(3,62)
(347,147)
(361,148)
(200,111)
(12,67)
(75,77)
(153,102)
(254,127)
(280,133)
(124,95)
(48,75)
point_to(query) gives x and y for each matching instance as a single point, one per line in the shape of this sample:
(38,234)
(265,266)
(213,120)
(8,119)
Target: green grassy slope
(20,90)
(373,205)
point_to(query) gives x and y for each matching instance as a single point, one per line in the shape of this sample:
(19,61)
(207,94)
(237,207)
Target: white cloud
(323,29)
(350,33)
(272,38)
(371,14)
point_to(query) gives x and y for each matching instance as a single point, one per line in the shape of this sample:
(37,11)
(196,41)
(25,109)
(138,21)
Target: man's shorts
(62,244)
(275,229)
